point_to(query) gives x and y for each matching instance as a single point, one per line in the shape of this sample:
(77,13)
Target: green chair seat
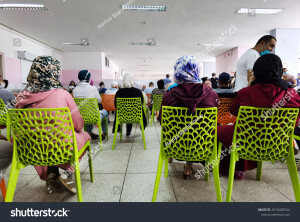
(156,106)
(129,111)
(44,137)
(190,138)
(260,137)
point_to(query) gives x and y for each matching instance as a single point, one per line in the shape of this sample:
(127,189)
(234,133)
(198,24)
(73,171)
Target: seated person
(224,90)
(113,90)
(171,86)
(7,97)
(72,85)
(6,151)
(189,93)
(129,91)
(160,90)
(3,83)
(85,90)
(139,86)
(149,89)
(45,91)
(266,90)
(102,88)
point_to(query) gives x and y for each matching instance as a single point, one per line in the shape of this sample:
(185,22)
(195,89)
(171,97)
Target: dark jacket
(190,95)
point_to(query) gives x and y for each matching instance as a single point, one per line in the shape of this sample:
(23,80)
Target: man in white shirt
(245,64)
(85,90)
(113,90)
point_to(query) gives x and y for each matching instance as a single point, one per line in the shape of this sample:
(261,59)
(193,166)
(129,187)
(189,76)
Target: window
(106,62)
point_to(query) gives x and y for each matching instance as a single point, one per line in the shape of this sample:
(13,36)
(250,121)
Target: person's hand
(251,78)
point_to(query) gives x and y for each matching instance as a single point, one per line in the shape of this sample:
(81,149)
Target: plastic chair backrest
(149,98)
(264,134)
(89,110)
(3,113)
(157,100)
(189,137)
(108,102)
(43,137)
(224,116)
(129,110)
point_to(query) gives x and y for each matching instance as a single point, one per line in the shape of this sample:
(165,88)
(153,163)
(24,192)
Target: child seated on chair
(267,90)
(189,93)
(45,91)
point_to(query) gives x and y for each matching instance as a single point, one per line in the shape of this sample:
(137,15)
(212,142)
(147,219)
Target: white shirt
(85,90)
(245,63)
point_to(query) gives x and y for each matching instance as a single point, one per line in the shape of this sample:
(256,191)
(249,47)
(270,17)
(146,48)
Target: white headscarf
(128,80)
(138,85)
(114,84)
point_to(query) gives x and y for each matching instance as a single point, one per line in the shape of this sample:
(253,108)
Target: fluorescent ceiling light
(209,44)
(23,6)
(143,8)
(144,43)
(261,11)
(75,43)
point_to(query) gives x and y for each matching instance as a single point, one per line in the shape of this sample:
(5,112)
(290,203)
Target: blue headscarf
(186,70)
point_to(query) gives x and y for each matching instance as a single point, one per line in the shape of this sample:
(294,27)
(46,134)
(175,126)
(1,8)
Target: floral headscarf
(186,70)
(44,74)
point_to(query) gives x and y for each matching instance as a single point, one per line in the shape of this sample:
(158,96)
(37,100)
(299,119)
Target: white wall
(12,65)
(82,60)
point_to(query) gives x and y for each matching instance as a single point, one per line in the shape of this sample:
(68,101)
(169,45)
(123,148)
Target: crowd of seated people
(266,87)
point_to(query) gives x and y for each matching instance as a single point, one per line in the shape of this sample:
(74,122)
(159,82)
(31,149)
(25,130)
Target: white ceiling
(177,31)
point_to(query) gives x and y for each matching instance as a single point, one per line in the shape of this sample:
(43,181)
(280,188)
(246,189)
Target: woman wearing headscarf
(129,91)
(45,91)
(72,85)
(267,89)
(140,86)
(189,93)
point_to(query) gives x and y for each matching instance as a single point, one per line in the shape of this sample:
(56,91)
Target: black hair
(151,83)
(265,39)
(204,79)
(101,84)
(72,82)
(160,84)
(168,76)
(6,83)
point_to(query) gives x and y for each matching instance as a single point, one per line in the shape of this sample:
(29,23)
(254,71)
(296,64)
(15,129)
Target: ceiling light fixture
(210,44)
(143,8)
(260,11)
(84,42)
(23,6)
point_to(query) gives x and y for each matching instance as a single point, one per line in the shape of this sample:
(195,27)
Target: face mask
(265,52)
(71,87)
(286,73)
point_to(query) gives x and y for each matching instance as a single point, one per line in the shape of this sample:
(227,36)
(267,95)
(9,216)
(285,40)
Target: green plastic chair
(3,118)
(264,138)
(44,137)
(147,112)
(189,137)
(156,106)
(89,110)
(129,111)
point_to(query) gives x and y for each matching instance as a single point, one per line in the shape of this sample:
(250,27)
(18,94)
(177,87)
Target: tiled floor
(127,174)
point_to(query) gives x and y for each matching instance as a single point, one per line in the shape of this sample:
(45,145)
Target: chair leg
(3,188)
(206,171)
(294,175)
(231,175)
(78,181)
(152,116)
(106,124)
(121,133)
(166,167)
(115,136)
(158,176)
(259,170)
(8,132)
(91,164)
(143,133)
(100,133)
(217,182)
(12,182)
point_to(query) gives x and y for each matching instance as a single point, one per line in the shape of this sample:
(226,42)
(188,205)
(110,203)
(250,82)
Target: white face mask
(71,87)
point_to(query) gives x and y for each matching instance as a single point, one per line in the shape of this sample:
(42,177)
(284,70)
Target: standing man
(167,80)
(265,45)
